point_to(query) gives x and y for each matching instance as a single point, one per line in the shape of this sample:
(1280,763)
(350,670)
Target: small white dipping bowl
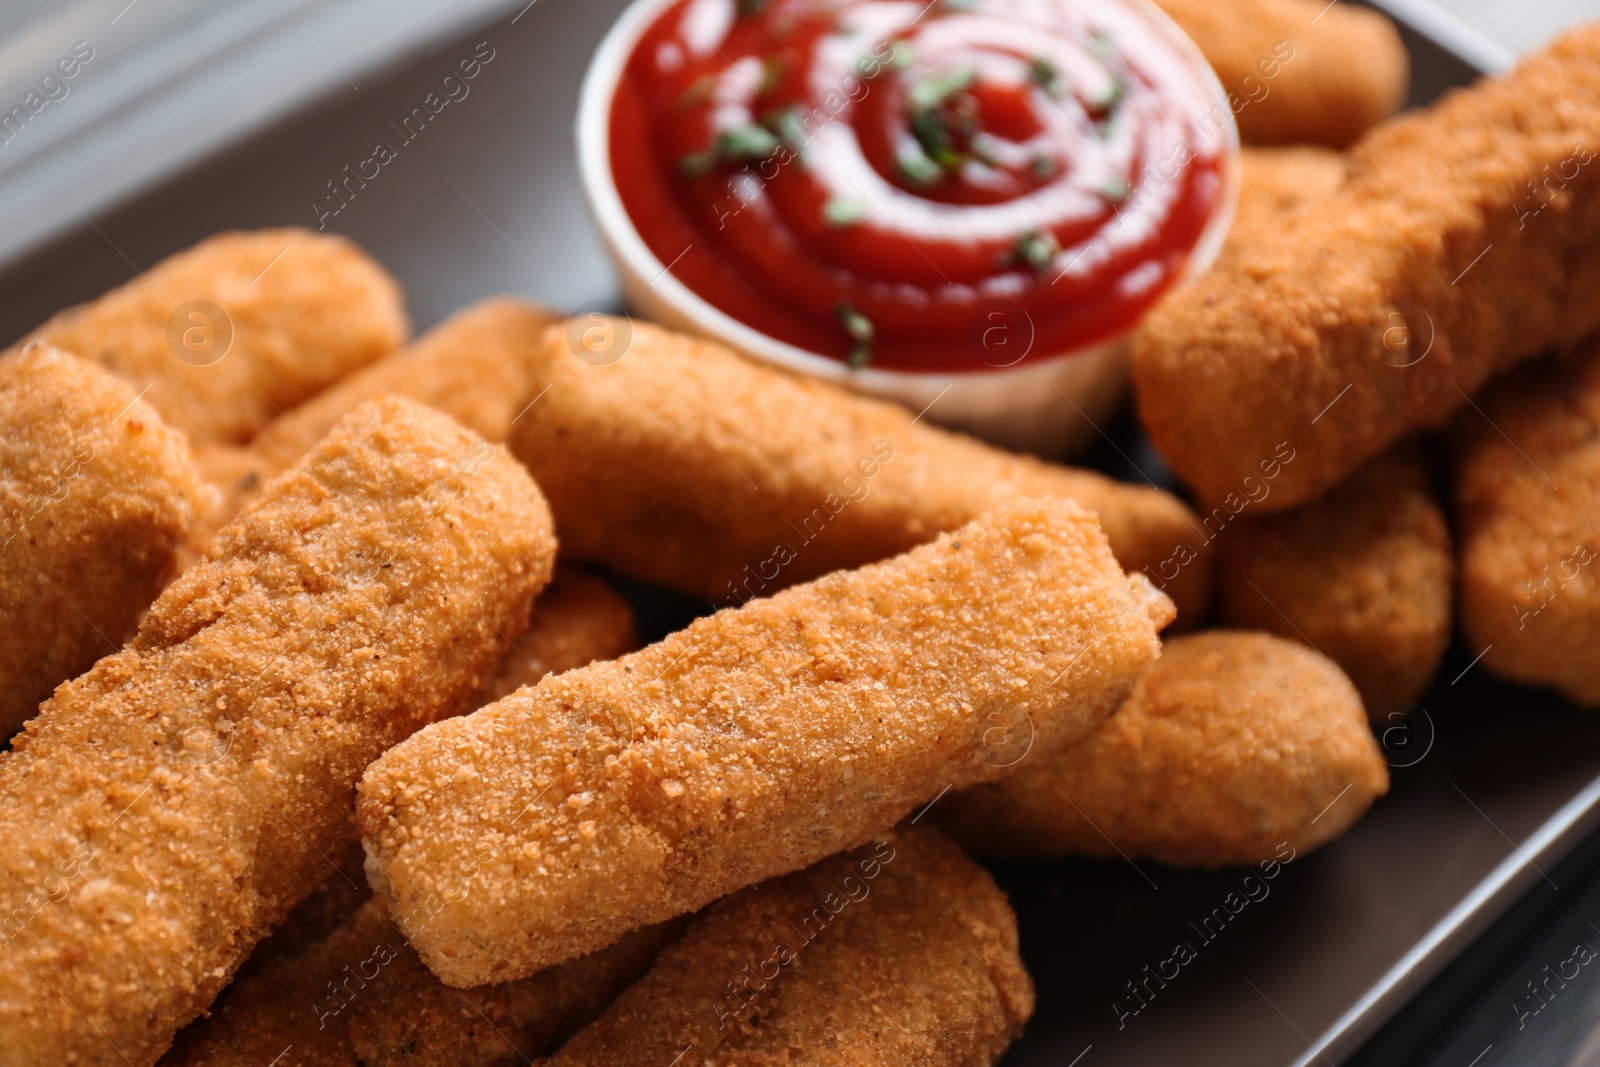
(1052,405)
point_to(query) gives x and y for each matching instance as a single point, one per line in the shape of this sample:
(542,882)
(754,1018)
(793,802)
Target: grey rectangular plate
(486,201)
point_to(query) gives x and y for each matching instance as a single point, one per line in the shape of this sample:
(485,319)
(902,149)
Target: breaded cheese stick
(1527,491)
(752,743)
(477,367)
(1232,745)
(299,310)
(96,494)
(1463,239)
(167,808)
(1363,575)
(1277,181)
(902,953)
(1299,71)
(361,998)
(686,465)
(577,619)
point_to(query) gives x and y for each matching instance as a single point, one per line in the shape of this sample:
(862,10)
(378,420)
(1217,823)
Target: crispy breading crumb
(900,954)
(686,465)
(1299,71)
(299,310)
(1233,746)
(1363,575)
(169,806)
(752,743)
(1528,500)
(1435,265)
(96,494)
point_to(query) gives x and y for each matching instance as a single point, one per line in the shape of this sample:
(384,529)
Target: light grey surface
(173,81)
(486,201)
(1491,34)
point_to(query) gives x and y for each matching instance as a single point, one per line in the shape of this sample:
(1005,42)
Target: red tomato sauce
(870,179)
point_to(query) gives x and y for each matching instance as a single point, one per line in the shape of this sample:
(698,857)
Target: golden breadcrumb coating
(1527,495)
(361,998)
(576,620)
(167,808)
(752,743)
(1363,575)
(686,465)
(96,493)
(1279,180)
(305,309)
(1231,745)
(1463,239)
(900,954)
(477,367)
(1299,71)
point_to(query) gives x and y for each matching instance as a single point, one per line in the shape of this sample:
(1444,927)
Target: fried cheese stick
(1299,71)
(361,998)
(900,954)
(686,465)
(577,619)
(167,808)
(1363,575)
(299,310)
(476,367)
(1463,239)
(1527,490)
(1232,745)
(96,494)
(1277,181)
(750,744)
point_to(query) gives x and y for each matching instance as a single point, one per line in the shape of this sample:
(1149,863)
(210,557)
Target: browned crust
(167,808)
(1234,748)
(686,465)
(752,743)
(305,309)
(361,997)
(1364,575)
(1363,322)
(96,493)
(1299,71)
(901,953)
(1528,500)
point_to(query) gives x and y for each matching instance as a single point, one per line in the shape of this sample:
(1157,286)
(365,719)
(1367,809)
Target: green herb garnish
(697,164)
(859,327)
(746,142)
(1045,75)
(917,168)
(1036,250)
(934,90)
(1102,103)
(1044,168)
(752,7)
(1114,190)
(789,126)
(839,212)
